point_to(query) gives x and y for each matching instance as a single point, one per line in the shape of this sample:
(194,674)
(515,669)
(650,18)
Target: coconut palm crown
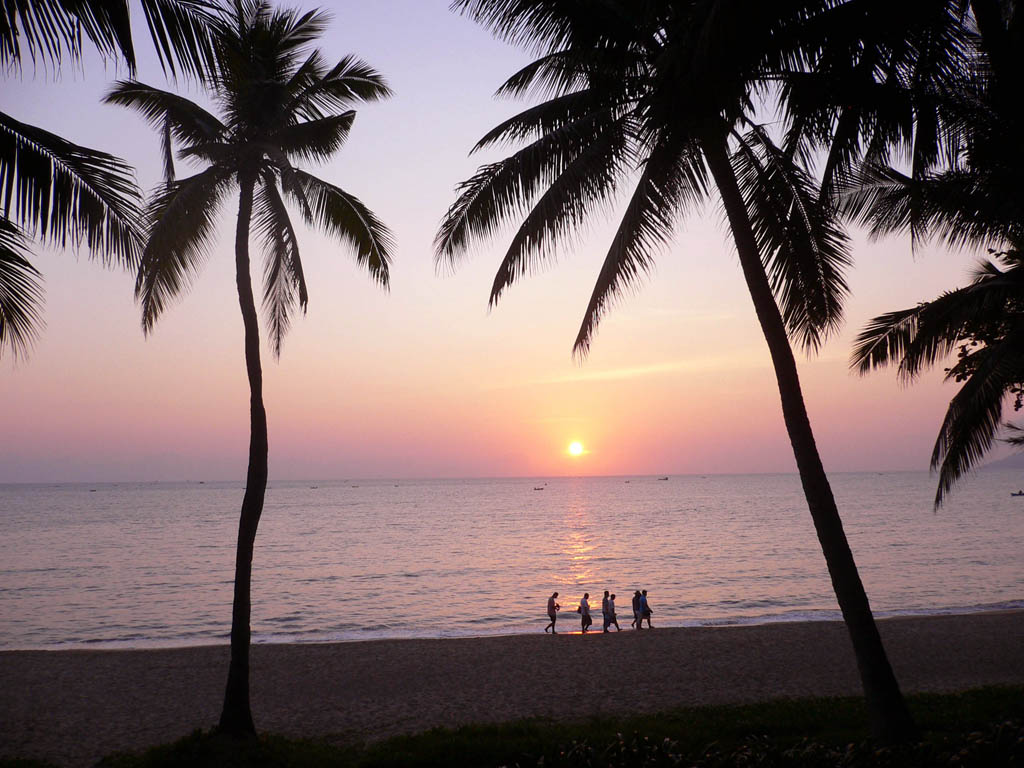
(279,104)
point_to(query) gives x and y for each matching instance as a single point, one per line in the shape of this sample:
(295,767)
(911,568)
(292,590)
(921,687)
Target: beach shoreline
(519,630)
(74,706)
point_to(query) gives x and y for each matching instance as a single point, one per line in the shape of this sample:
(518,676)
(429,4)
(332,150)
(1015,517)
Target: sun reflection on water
(579,543)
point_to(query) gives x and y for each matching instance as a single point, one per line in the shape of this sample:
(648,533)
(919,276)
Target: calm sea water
(138,565)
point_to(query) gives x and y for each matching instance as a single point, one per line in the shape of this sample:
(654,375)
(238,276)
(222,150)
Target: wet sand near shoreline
(73,707)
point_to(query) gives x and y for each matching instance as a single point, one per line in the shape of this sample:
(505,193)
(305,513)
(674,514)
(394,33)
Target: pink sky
(424,381)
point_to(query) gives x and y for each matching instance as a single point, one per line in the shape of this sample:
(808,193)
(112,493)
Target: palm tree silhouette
(663,95)
(968,197)
(60,192)
(280,103)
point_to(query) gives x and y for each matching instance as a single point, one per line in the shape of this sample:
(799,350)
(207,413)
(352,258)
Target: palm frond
(345,217)
(181,218)
(349,82)
(587,182)
(957,206)
(974,417)
(48,30)
(804,250)
(314,140)
(548,116)
(554,74)
(886,338)
(917,337)
(183,33)
(312,69)
(21,292)
(543,26)
(283,280)
(883,199)
(189,123)
(674,178)
(501,190)
(293,29)
(63,192)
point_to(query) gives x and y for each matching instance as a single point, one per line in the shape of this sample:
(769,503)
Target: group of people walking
(641,611)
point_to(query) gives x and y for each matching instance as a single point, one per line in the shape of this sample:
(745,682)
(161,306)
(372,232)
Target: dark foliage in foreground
(977,728)
(1000,743)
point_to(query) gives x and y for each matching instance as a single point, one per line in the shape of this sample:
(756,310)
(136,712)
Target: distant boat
(538,488)
(663,478)
(1018,493)
(314,487)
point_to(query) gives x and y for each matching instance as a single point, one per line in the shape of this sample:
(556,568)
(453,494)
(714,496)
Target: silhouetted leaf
(21,292)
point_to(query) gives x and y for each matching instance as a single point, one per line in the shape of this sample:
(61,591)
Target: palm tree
(279,103)
(59,192)
(969,197)
(662,95)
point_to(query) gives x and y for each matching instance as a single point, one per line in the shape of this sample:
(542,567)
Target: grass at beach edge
(979,727)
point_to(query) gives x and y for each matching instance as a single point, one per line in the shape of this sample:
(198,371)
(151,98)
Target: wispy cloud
(684,312)
(635,372)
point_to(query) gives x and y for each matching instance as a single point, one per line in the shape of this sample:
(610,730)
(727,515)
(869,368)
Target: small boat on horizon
(663,478)
(538,488)
(1018,493)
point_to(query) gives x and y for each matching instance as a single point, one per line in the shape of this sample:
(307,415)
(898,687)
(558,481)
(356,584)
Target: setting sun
(576,449)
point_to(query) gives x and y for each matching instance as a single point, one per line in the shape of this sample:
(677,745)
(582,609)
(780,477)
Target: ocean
(133,565)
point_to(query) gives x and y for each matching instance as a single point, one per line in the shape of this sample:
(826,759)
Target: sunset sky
(423,380)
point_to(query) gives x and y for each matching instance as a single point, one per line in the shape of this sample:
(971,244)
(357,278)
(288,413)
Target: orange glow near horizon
(575,448)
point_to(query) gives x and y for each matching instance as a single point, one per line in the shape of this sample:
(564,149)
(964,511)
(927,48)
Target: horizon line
(420,478)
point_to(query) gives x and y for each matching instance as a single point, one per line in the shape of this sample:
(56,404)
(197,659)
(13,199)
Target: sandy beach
(73,707)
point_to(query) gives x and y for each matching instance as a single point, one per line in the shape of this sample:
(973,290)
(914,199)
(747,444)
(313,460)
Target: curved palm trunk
(890,718)
(236,717)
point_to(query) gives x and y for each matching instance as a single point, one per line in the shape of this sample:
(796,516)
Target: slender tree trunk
(236,717)
(890,718)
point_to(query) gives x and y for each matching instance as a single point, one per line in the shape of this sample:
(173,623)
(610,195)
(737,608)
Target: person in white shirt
(553,609)
(584,610)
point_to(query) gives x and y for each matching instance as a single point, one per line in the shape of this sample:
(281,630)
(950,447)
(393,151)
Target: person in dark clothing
(553,609)
(584,611)
(612,618)
(645,610)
